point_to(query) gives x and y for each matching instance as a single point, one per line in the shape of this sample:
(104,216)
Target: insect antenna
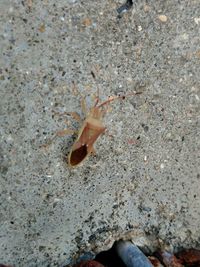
(98,90)
(117,97)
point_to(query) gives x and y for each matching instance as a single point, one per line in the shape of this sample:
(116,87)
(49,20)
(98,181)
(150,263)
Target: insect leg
(64,132)
(83,103)
(74,89)
(84,106)
(60,133)
(74,115)
(93,152)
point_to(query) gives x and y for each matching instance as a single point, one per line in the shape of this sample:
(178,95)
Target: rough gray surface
(144,182)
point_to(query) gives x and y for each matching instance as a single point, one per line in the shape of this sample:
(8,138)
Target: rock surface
(144,181)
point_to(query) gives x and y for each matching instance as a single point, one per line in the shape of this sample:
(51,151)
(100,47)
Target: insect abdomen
(78,155)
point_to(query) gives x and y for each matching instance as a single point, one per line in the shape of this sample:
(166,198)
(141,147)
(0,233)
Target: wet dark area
(110,258)
(126,254)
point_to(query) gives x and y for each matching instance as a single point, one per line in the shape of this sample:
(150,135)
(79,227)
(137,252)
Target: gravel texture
(143,183)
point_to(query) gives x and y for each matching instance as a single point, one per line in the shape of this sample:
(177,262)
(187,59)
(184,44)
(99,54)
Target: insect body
(92,128)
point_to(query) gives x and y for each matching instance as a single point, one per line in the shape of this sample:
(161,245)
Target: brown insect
(92,128)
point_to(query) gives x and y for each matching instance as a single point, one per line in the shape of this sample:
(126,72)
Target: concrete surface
(144,181)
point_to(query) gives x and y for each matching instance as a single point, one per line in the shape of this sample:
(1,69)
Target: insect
(90,131)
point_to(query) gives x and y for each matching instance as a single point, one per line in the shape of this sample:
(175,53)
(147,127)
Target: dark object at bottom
(125,7)
(168,259)
(131,255)
(89,264)
(126,254)
(191,257)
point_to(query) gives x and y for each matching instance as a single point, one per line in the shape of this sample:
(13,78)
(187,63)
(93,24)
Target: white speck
(168,135)
(145,158)
(129,79)
(49,176)
(162,165)
(115,72)
(139,28)
(194,89)
(56,200)
(185,36)
(62,18)
(197,20)
(9,138)
(11,9)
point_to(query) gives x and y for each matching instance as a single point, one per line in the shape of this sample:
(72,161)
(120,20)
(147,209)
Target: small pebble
(87,22)
(197,20)
(162,18)
(42,28)
(162,166)
(146,8)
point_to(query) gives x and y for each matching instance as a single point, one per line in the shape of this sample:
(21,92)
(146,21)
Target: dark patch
(124,8)
(109,258)
(92,238)
(145,127)
(41,248)
(78,155)
(93,75)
